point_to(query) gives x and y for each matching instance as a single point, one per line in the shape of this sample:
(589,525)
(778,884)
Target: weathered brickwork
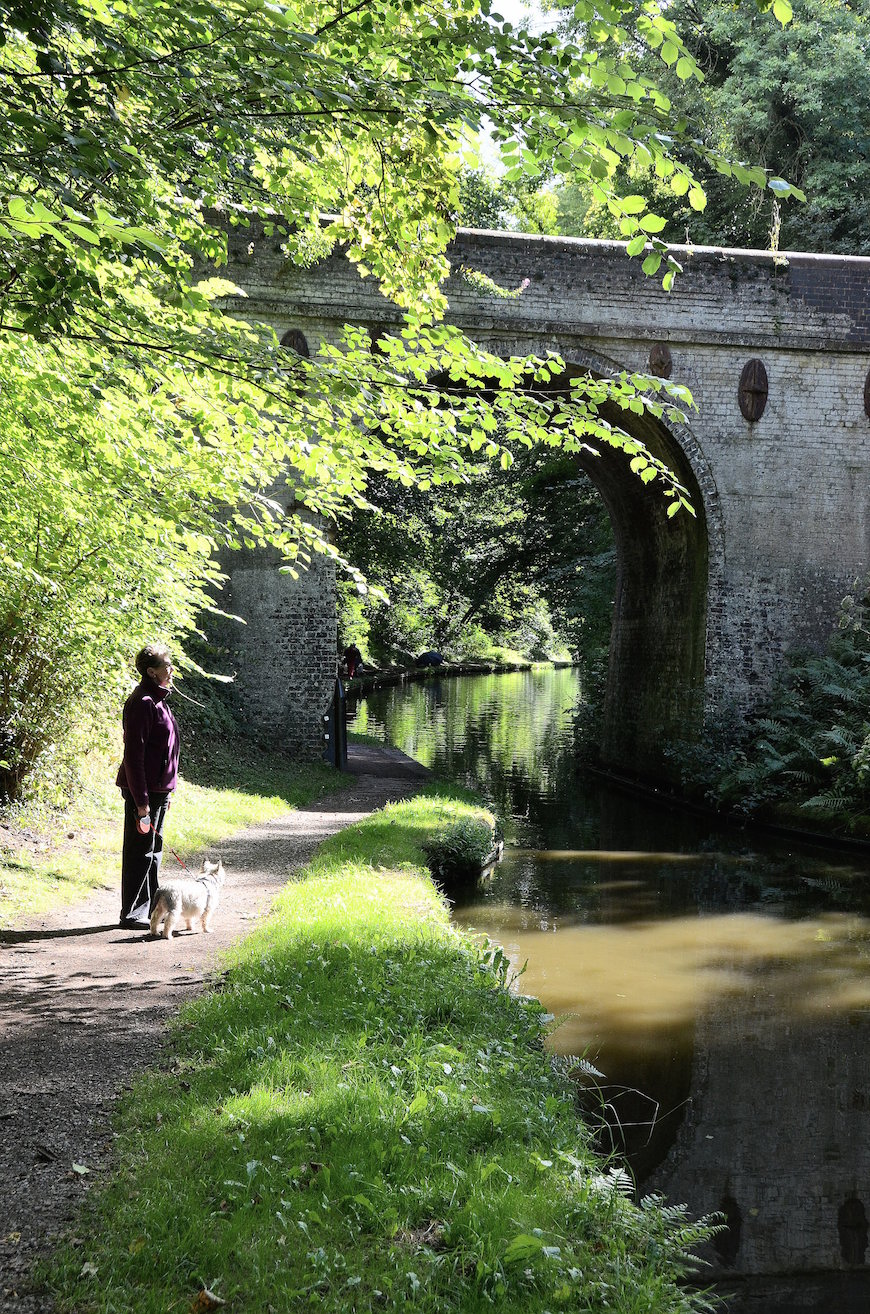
(704,612)
(285,653)
(284,656)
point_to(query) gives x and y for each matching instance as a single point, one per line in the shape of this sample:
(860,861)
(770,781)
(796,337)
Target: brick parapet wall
(589,289)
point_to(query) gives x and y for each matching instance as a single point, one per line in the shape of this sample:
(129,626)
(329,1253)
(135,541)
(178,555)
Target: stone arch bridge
(776,351)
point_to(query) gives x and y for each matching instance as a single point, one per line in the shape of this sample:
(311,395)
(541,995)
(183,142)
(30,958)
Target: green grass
(51,855)
(361,1116)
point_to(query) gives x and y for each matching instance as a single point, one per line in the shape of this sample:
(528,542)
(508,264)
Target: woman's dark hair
(153,654)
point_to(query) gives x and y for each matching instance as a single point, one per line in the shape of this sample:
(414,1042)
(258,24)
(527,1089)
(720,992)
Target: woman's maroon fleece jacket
(150,743)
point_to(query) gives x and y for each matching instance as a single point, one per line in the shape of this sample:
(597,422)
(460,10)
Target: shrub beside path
(83,1006)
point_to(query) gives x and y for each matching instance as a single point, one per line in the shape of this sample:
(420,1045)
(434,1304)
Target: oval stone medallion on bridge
(296,340)
(660,361)
(752,392)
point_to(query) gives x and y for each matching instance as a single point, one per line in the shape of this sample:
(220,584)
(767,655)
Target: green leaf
(522,1248)
(85,233)
(146,237)
(652,223)
(784,188)
(17,208)
(41,211)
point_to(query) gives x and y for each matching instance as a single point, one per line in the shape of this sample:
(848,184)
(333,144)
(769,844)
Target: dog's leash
(180,861)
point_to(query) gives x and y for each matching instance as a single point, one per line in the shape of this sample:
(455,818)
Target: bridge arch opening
(656,669)
(655,690)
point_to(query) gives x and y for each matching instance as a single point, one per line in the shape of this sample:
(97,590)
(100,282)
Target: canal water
(717,981)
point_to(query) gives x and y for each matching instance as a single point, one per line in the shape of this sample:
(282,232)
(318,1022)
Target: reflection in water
(627,982)
(723,989)
(606,855)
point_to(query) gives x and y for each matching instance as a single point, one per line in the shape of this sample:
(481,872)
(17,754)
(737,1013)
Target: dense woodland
(515,561)
(795,99)
(799,97)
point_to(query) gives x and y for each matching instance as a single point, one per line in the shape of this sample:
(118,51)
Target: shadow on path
(27,937)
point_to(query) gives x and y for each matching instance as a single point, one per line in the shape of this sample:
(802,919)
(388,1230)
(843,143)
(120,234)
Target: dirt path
(83,1006)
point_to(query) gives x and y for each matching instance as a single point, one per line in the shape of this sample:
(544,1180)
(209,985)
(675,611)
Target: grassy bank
(361,1116)
(51,855)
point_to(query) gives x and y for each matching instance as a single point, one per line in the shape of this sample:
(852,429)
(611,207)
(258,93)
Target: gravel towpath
(83,1007)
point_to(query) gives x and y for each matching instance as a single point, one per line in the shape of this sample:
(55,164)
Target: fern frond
(827,802)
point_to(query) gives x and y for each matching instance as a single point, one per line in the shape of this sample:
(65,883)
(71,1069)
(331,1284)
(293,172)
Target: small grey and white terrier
(187,899)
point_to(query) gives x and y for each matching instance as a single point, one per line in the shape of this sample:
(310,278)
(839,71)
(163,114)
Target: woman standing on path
(147,777)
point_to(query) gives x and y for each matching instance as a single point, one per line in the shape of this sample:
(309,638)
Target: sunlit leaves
(313,110)
(782,9)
